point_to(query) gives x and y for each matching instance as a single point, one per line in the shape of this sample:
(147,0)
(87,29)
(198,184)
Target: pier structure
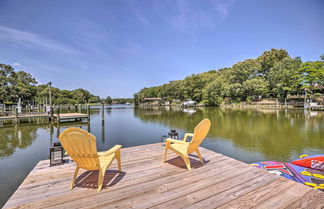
(147,182)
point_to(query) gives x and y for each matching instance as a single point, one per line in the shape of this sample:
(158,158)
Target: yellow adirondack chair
(81,147)
(184,148)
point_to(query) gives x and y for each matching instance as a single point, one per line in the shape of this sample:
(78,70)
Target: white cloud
(16,64)
(27,39)
(222,7)
(208,15)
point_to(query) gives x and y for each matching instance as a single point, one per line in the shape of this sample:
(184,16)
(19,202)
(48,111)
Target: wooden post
(76,108)
(103,132)
(16,116)
(58,130)
(80,107)
(58,111)
(102,113)
(51,113)
(89,129)
(88,112)
(51,134)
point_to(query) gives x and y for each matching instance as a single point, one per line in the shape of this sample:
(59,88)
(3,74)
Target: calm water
(248,136)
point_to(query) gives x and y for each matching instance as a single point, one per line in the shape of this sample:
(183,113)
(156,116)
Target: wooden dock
(57,117)
(147,182)
(25,116)
(70,116)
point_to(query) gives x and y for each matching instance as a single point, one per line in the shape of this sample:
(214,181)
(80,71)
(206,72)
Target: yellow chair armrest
(175,141)
(186,136)
(110,151)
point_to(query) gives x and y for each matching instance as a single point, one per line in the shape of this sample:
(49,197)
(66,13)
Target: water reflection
(272,133)
(16,138)
(189,111)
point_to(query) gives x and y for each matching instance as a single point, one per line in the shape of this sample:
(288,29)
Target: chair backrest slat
(81,146)
(200,133)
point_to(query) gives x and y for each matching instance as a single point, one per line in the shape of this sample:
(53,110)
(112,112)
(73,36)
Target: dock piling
(16,115)
(88,112)
(102,113)
(58,111)
(51,113)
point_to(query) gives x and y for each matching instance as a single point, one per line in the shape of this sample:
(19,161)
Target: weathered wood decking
(70,116)
(59,118)
(25,116)
(147,182)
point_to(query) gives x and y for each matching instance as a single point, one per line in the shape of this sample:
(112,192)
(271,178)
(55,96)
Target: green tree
(310,76)
(82,96)
(15,85)
(255,88)
(274,74)
(269,58)
(280,77)
(108,100)
(213,93)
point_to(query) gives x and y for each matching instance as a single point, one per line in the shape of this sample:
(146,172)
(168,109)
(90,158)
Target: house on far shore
(153,100)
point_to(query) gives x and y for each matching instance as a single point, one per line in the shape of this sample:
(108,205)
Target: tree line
(22,85)
(122,100)
(274,74)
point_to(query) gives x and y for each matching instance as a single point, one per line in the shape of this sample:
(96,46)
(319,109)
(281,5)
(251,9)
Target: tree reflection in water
(272,133)
(16,137)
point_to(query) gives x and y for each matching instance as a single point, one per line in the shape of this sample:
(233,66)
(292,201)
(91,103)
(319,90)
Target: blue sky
(117,47)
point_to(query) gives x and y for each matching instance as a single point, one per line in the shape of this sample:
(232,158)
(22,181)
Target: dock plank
(312,200)
(147,182)
(286,197)
(258,195)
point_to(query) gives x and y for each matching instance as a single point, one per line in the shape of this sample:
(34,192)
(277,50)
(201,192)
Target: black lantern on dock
(173,134)
(163,138)
(56,154)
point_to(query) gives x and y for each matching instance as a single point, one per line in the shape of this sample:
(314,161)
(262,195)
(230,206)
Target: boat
(189,103)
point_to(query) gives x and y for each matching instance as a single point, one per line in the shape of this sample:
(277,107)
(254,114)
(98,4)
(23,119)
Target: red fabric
(311,162)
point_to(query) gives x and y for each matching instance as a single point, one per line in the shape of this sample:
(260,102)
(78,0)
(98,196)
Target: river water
(246,135)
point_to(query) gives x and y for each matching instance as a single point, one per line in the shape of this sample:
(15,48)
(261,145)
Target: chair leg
(187,161)
(74,177)
(199,155)
(166,150)
(101,177)
(117,155)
